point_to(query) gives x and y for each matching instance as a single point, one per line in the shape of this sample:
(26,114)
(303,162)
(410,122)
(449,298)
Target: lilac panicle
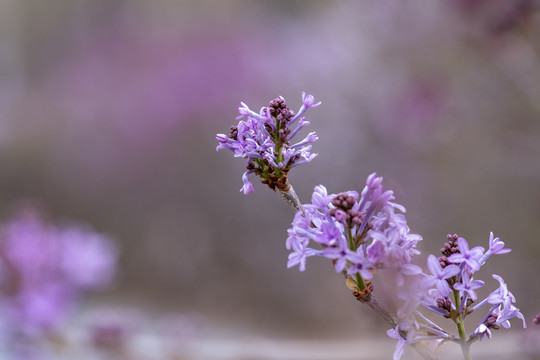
(359,233)
(433,292)
(264,139)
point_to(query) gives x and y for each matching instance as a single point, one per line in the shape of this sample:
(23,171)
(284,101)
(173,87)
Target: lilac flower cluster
(363,233)
(360,234)
(264,139)
(45,269)
(450,291)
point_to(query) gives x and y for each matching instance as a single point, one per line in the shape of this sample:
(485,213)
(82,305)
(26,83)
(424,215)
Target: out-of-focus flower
(110,329)
(88,258)
(536,319)
(46,268)
(402,342)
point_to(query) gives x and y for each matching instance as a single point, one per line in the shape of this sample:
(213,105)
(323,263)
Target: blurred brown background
(109,110)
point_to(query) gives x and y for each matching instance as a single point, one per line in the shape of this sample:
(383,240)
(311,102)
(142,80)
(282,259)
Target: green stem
(350,239)
(359,280)
(465,346)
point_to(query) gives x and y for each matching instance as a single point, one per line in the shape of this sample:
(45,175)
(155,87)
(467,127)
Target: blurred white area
(177,336)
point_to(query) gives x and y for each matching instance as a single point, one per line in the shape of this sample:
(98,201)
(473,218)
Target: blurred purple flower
(47,268)
(88,258)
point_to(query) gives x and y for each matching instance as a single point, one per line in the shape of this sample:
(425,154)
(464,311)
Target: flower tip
(248,185)
(309,100)
(243,110)
(247,189)
(312,137)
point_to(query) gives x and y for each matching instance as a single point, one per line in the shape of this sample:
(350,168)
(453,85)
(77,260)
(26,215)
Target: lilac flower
(467,258)
(300,255)
(439,275)
(503,299)
(467,286)
(341,256)
(501,311)
(411,332)
(495,318)
(402,342)
(501,296)
(505,314)
(360,265)
(496,246)
(481,331)
(298,240)
(320,198)
(361,234)
(264,140)
(308,101)
(248,185)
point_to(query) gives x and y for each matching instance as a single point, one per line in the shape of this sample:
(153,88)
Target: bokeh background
(108,115)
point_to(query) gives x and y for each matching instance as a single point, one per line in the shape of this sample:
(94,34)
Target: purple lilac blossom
(432,292)
(88,258)
(360,233)
(412,332)
(436,299)
(467,258)
(440,275)
(467,286)
(496,246)
(47,268)
(503,300)
(401,342)
(264,140)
